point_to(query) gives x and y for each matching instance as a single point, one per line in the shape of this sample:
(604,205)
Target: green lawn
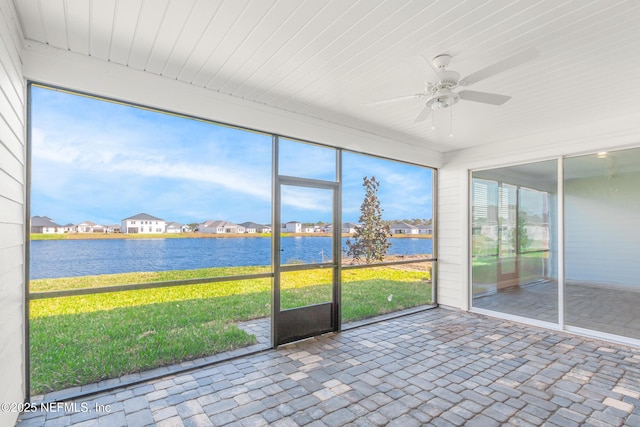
(83,339)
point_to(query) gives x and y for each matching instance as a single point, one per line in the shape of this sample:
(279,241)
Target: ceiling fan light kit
(443,98)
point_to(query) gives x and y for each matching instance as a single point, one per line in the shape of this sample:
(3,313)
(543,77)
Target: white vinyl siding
(12,213)
(452,268)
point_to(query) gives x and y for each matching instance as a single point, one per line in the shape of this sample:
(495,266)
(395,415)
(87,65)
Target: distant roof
(174,224)
(43,221)
(402,225)
(350,225)
(219,223)
(250,224)
(144,216)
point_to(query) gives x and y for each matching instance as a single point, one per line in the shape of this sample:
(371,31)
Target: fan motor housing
(448,79)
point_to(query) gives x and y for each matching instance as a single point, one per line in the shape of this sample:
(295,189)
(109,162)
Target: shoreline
(100,280)
(96,236)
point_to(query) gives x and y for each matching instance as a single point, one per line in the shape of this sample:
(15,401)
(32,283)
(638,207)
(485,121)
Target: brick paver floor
(437,367)
(605,307)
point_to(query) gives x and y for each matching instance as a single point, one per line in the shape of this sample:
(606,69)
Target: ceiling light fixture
(443,98)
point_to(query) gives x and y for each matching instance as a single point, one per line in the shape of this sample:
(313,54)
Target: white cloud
(306,199)
(117,153)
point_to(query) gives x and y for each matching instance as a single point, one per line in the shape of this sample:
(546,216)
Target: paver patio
(587,305)
(437,367)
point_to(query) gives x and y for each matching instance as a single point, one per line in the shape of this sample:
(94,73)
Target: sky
(100,161)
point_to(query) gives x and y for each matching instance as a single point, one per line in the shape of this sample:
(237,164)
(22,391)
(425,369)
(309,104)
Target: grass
(83,339)
(531,266)
(101,280)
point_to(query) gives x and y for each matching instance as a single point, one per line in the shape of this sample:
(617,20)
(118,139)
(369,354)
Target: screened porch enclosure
(259,255)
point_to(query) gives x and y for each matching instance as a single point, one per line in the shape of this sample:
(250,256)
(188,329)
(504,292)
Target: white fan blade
(399,98)
(507,63)
(484,97)
(423,114)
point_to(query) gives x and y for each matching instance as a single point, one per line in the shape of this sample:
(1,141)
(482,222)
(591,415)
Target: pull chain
(451,122)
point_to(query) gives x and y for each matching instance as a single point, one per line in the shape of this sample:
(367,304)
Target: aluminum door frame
(304,322)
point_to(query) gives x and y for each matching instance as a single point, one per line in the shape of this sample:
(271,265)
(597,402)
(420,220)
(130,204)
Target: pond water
(70,258)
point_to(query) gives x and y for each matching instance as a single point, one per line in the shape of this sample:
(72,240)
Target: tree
(523,236)
(370,237)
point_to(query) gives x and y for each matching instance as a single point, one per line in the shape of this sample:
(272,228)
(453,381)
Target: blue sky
(103,162)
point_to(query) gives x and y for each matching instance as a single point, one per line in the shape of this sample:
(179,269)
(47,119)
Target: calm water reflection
(68,258)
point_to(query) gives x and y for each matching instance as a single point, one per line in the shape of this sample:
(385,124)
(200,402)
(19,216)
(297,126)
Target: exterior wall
(347,228)
(453,187)
(174,230)
(405,231)
(426,230)
(211,230)
(53,230)
(125,225)
(292,227)
(144,226)
(48,230)
(154,227)
(84,228)
(12,213)
(222,228)
(452,280)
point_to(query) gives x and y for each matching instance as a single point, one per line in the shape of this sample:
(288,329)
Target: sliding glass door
(516,220)
(602,201)
(514,244)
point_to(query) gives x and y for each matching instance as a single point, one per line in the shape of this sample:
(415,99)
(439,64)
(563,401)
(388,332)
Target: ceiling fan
(441,95)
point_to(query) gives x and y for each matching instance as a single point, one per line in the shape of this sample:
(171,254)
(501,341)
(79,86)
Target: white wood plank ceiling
(328,58)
